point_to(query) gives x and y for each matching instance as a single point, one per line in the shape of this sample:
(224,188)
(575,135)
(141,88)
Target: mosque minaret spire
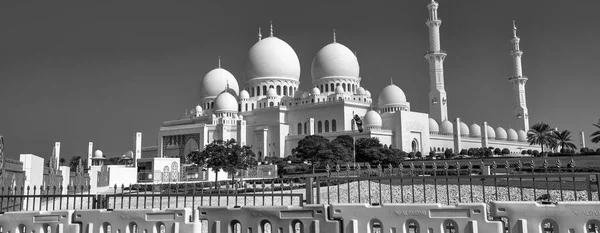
(438,103)
(271,27)
(259,34)
(518,81)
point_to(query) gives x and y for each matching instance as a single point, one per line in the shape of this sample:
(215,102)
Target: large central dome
(335,60)
(272,57)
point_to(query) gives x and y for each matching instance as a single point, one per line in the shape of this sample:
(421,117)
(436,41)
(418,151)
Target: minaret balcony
(518,78)
(435,52)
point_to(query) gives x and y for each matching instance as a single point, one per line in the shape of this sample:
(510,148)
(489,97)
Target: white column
(90,154)
(484,135)
(582,139)
(57,153)
(457,136)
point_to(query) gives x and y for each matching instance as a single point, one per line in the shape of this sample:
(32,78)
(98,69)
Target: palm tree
(563,139)
(596,135)
(540,134)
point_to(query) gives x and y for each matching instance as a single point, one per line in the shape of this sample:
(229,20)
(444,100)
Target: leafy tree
(523,152)
(540,134)
(463,152)
(419,155)
(536,153)
(598,150)
(583,150)
(228,156)
(596,134)
(411,155)
(505,151)
(62,161)
(74,162)
(347,144)
(432,154)
(315,149)
(497,151)
(488,152)
(529,152)
(563,139)
(367,149)
(471,152)
(448,153)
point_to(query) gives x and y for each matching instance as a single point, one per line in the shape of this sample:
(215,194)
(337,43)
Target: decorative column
(457,136)
(518,80)
(90,154)
(311,126)
(484,135)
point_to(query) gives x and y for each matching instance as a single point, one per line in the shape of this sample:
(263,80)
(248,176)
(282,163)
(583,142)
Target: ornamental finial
(259,34)
(219,61)
(391,81)
(514,29)
(271,25)
(334,40)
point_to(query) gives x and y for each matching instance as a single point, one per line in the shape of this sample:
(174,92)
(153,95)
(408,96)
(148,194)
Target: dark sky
(80,71)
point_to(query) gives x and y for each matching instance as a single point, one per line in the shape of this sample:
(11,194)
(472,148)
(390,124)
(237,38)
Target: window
(326,88)
(304,127)
(333,126)
(450,226)
(549,226)
(266,227)
(246,107)
(326,126)
(278,90)
(264,90)
(285,90)
(299,128)
(412,226)
(252,106)
(297,226)
(332,87)
(236,227)
(320,127)
(271,104)
(252,91)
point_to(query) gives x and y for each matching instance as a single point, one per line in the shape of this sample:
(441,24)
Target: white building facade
(271,114)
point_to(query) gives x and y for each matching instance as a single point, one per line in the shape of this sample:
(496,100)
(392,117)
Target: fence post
(100,202)
(309,190)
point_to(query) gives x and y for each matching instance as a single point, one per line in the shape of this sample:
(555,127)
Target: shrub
(536,153)
(497,151)
(411,155)
(431,154)
(529,152)
(583,150)
(523,152)
(419,154)
(448,153)
(463,152)
(505,151)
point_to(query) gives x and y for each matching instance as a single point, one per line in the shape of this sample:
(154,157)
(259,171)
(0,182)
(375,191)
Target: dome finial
(334,40)
(391,81)
(259,34)
(219,58)
(271,25)
(514,29)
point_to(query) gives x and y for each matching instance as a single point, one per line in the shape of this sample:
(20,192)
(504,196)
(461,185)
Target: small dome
(391,95)
(98,154)
(475,130)
(217,80)
(446,127)
(372,120)
(501,133)
(360,91)
(198,109)
(272,57)
(368,93)
(244,95)
(433,126)
(304,95)
(271,92)
(315,91)
(339,90)
(225,102)
(491,133)
(512,135)
(334,60)
(522,135)
(464,129)
(299,94)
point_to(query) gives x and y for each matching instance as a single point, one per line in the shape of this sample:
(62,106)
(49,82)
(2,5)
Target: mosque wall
(441,142)
(349,111)
(409,127)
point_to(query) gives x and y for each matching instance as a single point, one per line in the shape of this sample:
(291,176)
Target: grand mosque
(271,114)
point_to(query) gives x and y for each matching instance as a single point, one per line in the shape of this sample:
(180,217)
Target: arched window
(320,127)
(252,91)
(297,227)
(326,126)
(264,90)
(299,128)
(450,226)
(271,104)
(412,226)
(321,87)
(326,88)
(265,227)
(236,227)
(376,226)
(285,90)
(239,107)
(305,128)
(332,88)
(258,91)
(133,228)
(252,106)
(549,226)
(107,227)
(333,126)
(246,107)
(593,226)
(278,90)
(212,105)
(312,100)
(291,92)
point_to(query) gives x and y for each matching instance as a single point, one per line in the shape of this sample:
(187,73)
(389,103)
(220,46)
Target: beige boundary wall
(521,217)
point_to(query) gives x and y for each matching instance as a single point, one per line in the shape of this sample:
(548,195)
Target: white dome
(244,94)
(501,133)
(271,92)
(391,95)
(446,127)
(522,135)
(464,129)
(272,57)
(225,102)
(334,60)
(368,93)
(215,81)
(372,119)
(298,94)
(475,130)
(339,90)
(198,109)
(316,91)
(433,126)
(360,91)
(491,133)
(98,154)
(512,135)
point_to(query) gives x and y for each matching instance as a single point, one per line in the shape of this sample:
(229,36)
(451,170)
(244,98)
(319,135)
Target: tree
(523,152)
(536,153)
(497,151)
(529,152)
(314,149)
(347,144)
(540,134)
(505,151)
(596,135)
(228,156)
(367,149)
(419,155)
(74,162)
(463,152)
(563,139)
(448,153)
(432,154)
(62,161)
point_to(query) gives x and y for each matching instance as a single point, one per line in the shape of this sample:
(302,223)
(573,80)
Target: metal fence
(403,183)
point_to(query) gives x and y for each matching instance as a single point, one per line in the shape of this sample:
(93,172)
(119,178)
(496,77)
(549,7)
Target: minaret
(438,103)
(518,81)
